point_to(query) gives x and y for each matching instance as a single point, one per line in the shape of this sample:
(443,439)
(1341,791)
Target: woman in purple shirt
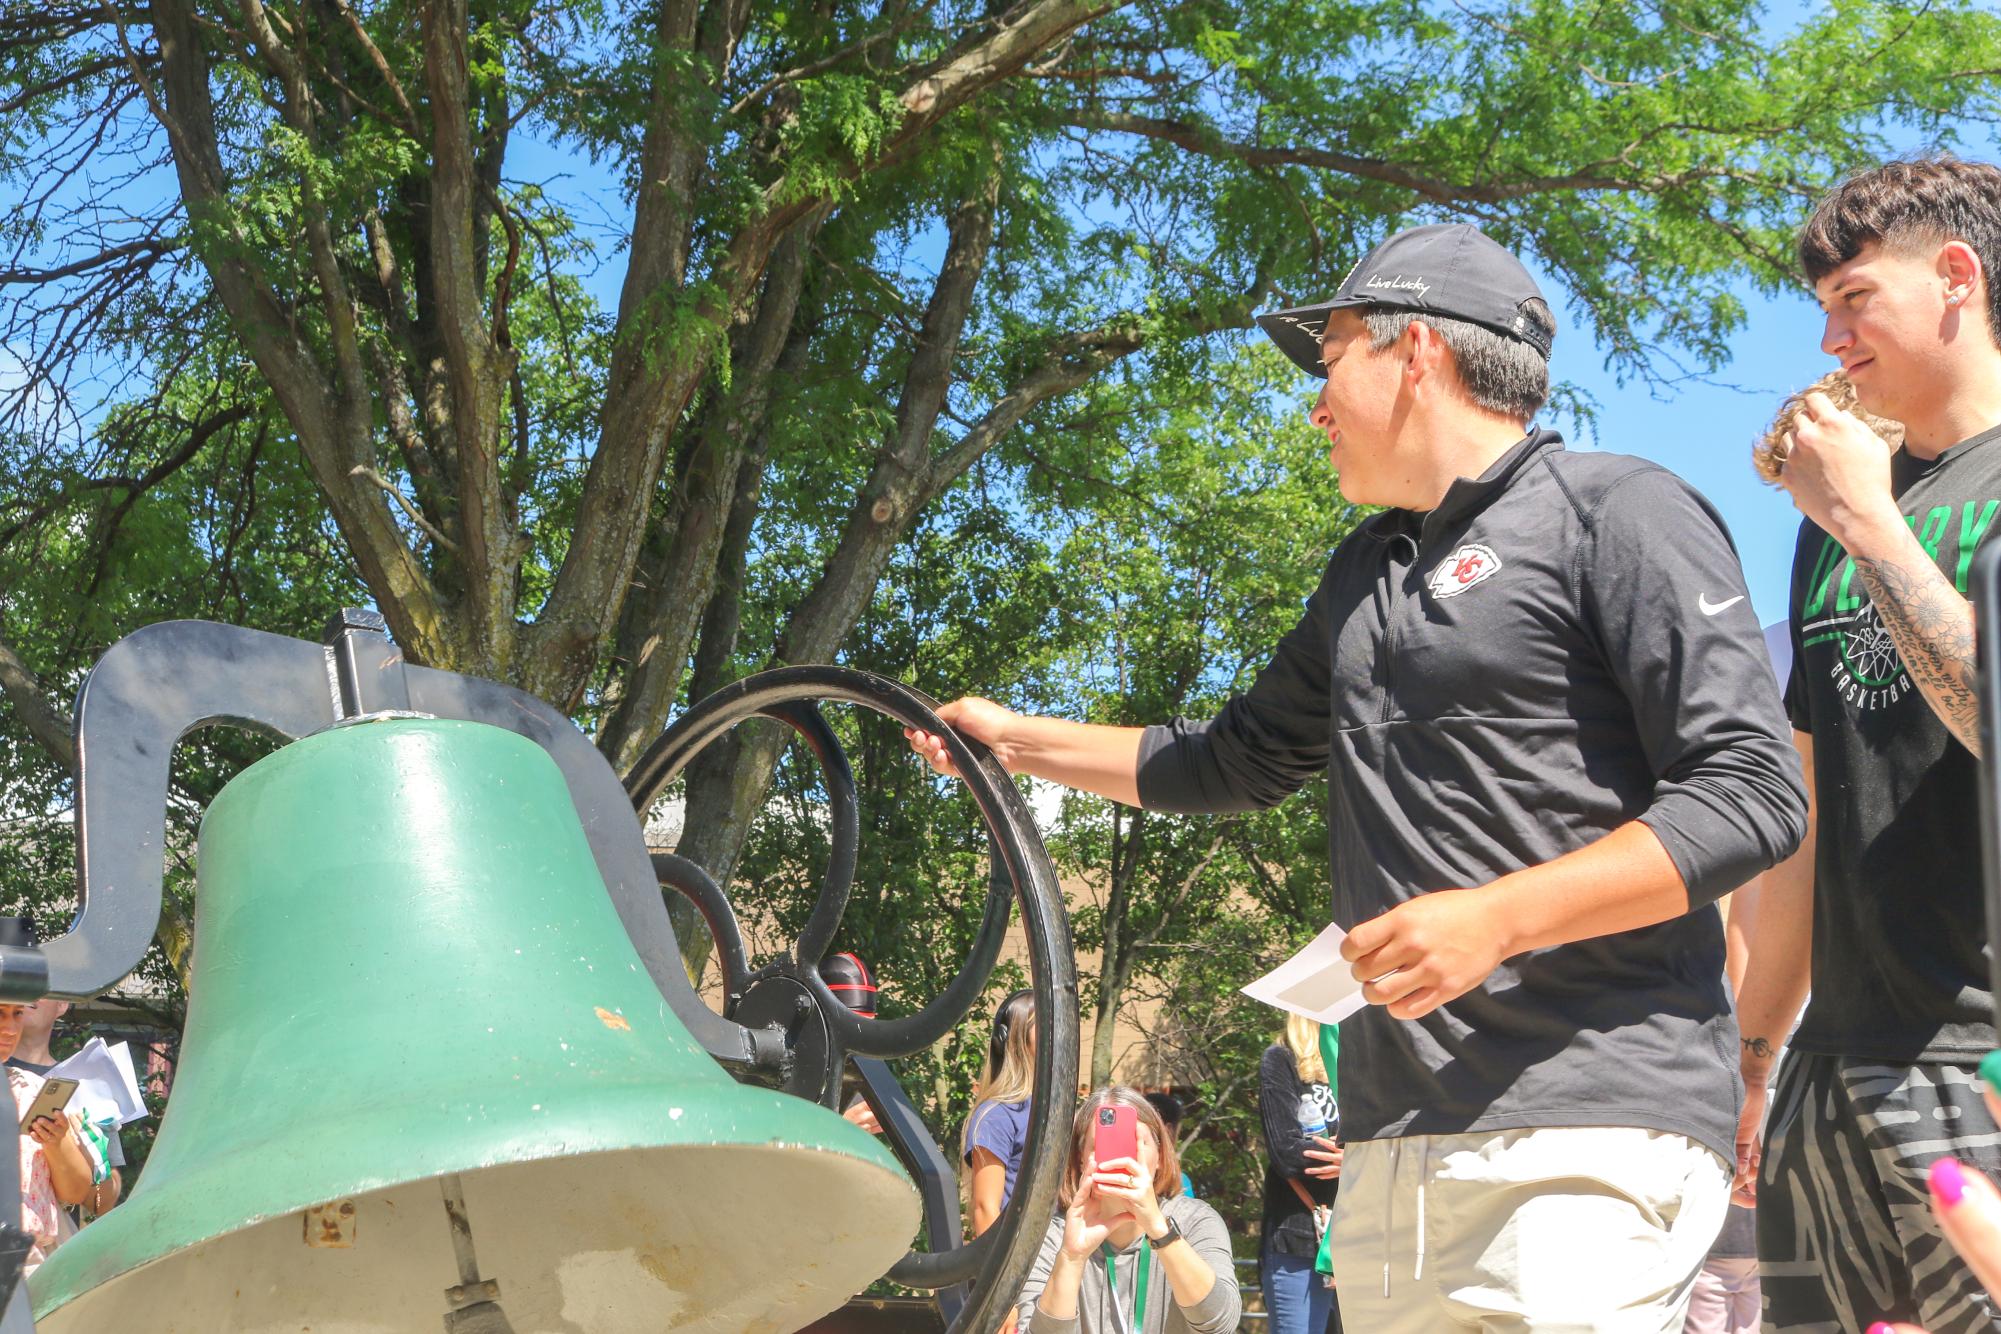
(997,1131)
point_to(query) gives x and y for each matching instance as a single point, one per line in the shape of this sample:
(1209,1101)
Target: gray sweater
(1214,1314)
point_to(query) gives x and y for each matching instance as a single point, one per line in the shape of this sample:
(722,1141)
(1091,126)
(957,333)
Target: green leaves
(839,120)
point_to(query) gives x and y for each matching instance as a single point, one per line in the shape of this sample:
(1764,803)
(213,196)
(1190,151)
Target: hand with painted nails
(1968,1209)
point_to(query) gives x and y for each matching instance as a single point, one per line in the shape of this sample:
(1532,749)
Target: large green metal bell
(406,966)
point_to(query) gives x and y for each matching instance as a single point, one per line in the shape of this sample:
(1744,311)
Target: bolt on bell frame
(781,1027)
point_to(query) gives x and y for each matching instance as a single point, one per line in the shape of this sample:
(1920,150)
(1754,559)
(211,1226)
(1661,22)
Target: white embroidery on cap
(1397,282)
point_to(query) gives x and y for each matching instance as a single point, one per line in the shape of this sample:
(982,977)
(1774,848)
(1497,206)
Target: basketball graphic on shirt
(1868,651)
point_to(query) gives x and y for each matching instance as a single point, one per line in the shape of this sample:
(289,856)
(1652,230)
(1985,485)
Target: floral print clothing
(42,1214)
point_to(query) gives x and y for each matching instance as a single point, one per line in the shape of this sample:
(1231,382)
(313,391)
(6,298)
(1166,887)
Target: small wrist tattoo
(1758,1047)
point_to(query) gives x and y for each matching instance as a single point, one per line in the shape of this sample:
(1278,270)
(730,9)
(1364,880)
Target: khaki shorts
(1569,1230)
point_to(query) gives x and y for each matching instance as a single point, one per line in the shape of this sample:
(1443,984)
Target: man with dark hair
(1552,740)
(1882,907)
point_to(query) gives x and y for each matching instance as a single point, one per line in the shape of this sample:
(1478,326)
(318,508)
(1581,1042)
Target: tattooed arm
(1931,625)
(1837,471)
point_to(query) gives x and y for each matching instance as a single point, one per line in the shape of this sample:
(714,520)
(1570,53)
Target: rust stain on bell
(615,1022)
(331,1226)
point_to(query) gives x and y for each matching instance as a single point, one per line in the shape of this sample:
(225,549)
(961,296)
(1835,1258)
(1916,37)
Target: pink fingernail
(1948,1182)
(1881,1327)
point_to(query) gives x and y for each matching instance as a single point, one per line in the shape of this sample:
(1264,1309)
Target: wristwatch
(1172,1234)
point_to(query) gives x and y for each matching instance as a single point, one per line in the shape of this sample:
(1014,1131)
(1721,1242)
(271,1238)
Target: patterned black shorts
(1845,1229)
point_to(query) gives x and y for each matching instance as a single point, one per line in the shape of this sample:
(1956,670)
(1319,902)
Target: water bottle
(1312,1121)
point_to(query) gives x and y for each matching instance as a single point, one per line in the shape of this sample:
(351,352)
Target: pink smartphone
(1117,1134)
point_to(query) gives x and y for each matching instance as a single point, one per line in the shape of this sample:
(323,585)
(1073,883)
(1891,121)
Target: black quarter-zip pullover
(1563,645)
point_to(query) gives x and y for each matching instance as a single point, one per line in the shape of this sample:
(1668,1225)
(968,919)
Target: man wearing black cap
(1552,741)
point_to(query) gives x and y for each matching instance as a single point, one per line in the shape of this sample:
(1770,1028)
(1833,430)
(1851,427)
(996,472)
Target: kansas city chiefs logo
(1464,568)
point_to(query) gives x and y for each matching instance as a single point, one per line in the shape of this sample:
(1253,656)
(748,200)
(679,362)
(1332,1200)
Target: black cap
(1450,268)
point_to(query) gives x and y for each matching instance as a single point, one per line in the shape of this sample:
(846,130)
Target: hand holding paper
(1316,982)
(1429,950)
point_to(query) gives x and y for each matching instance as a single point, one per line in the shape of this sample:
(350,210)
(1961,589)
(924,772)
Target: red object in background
(851,982)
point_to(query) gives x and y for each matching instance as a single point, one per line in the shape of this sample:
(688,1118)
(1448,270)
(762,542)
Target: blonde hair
(1010,1072)
(1083,1138)
(1302,1039)
(1768,456)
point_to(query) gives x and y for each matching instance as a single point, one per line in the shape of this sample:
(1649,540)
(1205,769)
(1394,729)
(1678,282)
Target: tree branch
(648,390)
(411,126)
(183,106)
(47,721)
(1203,139)
(414,514)
(137,486)
(477,368)
(661,626)
(152,247)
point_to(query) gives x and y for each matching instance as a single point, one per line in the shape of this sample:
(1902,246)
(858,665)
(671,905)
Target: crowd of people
(1553,741)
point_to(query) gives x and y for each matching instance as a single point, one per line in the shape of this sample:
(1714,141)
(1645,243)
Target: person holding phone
(57,1170)
(33,1055)
(1129,1254)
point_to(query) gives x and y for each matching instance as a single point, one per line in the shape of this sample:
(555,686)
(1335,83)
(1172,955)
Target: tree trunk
(720,621)
(1116,951)
(662,623)
(723,805)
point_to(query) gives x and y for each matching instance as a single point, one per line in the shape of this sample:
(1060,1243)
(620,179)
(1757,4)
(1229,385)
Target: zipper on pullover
(1390,593)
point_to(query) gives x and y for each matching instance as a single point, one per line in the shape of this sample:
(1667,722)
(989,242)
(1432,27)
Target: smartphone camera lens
(1105,1116)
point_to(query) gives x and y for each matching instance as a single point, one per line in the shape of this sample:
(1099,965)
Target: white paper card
(106,1088)
(1315,982)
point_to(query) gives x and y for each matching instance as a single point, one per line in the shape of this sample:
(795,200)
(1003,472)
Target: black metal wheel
(788,1000)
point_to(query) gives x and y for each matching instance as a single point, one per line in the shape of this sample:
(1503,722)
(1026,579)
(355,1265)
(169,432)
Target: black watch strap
(1173,1233)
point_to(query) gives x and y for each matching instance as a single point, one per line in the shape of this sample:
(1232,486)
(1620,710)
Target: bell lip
(102,1253)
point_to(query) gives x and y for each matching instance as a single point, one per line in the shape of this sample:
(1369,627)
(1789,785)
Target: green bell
(411,988)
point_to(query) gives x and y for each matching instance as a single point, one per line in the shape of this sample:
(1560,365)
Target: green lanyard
(1139,1284)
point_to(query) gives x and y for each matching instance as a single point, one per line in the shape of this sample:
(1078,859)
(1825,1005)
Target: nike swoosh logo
(1709,608)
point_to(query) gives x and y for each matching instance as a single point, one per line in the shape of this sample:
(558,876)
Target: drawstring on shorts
(1390,1207)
